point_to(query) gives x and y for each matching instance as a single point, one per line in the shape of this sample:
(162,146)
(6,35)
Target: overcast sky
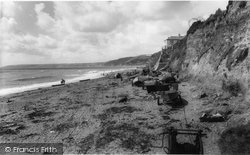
(81,31)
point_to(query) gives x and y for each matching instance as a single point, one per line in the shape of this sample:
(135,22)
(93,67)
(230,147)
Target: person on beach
(63,81)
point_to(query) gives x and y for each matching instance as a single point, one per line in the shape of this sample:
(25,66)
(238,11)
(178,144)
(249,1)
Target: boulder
(212,118)
(137,82)
(202,95)
(199,95)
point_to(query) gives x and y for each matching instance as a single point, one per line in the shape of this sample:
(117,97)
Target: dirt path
(189,117)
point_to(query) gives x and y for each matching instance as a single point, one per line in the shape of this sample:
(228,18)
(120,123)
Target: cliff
(215,51)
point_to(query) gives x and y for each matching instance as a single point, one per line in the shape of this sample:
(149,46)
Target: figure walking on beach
(63,81)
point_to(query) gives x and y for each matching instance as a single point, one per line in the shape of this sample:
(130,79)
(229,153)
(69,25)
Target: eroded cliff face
(216,51)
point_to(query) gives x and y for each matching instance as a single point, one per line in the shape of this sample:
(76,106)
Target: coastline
(46,88)
(89,75)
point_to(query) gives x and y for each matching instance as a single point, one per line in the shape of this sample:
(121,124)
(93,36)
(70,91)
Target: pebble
(51,132)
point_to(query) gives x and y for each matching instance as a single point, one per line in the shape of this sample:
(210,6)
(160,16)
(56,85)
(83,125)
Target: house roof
(175,38)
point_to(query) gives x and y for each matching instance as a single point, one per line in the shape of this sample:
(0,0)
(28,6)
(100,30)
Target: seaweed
(64,126)
(40,113)
(123,109)
(11,128)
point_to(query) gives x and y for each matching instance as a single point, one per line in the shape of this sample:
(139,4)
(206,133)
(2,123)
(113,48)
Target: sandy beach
(90,118)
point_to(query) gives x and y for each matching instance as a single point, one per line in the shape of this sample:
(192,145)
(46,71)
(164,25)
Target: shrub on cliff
(232,86)
(199,24)
(214,17)
(236,57)
(230,3)
(235,140)
(196,25)
(242,4)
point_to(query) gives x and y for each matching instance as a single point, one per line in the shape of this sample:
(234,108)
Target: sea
(21,79)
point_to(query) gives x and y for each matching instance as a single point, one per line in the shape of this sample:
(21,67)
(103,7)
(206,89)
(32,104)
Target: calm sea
(19,80)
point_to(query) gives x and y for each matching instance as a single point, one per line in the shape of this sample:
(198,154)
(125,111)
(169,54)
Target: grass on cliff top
(235,140)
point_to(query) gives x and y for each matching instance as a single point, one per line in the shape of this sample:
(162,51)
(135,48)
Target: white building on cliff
(170,41)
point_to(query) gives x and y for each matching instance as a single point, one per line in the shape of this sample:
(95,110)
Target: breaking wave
(33,78)
(93,74)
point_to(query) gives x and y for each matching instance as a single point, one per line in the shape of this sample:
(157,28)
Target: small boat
(153,86)
(84,80)
(58,85)
(133,76)
(170,97)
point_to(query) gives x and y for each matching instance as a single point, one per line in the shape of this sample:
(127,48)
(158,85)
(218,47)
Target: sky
(42,32)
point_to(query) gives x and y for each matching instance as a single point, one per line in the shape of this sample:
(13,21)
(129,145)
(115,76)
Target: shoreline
(39,89)
(49,84)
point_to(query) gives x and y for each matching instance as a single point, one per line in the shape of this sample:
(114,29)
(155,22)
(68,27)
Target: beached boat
(84,80)
(58,85)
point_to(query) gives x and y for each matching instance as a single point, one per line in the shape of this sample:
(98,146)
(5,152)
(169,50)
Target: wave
(33,78)
(73,75)
(7,91)
(88,75)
